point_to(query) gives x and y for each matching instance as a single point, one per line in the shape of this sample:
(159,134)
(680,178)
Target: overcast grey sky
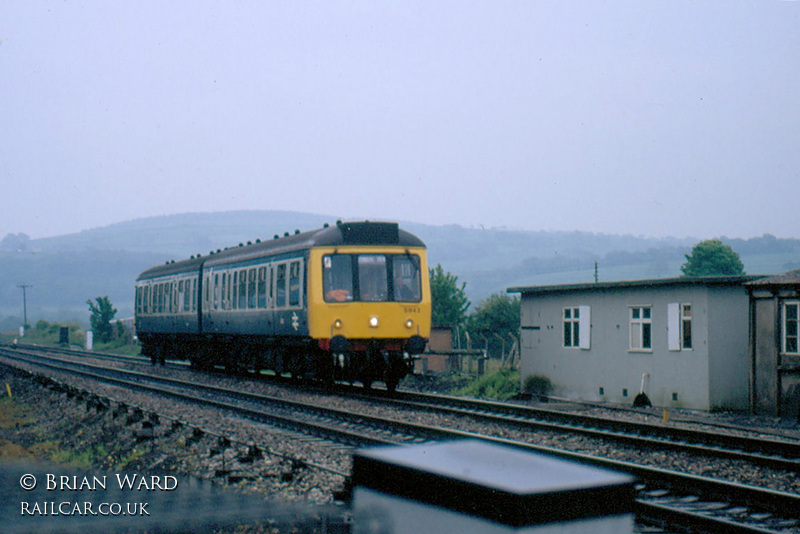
(657,118)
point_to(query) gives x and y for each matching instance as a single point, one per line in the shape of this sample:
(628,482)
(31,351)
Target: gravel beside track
(288,467)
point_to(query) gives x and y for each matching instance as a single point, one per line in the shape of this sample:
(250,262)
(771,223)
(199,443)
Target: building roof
(625,284)
(788,278)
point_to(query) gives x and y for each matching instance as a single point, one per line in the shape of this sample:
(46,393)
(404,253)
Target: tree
(495,320)
(102,315)
(15,242)
(449,301)
(711,258)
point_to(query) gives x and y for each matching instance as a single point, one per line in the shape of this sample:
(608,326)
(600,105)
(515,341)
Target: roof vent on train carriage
(374,233)
(296,231)
(285,234)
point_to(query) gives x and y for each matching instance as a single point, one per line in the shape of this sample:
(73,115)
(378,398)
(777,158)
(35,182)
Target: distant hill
(68,270)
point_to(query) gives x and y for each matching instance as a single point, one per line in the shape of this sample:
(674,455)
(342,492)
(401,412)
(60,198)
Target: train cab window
(337,277)
(280,286)
(262,287)
(407,286)
(372,277)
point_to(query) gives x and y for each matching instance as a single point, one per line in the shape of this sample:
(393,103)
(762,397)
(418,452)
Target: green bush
(537,385)
(502,385)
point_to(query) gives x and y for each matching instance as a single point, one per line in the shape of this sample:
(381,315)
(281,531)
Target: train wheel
(391,384)
(156,354)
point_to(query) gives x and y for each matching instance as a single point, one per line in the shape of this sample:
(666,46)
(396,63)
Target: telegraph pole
(24,305)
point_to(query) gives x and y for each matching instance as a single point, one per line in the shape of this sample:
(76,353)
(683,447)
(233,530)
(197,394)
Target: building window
(686,326)
(572,327)
(641,328)
(790,323)
(577,327)
(679,326)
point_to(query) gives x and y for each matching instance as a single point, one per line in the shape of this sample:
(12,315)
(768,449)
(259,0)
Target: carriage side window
(262,287)
(206,293)
(216,291)
(241,289)
(337,278)
(280,286)
(193,296)
(271,286)
(641,327)
(235,290)
(251,288)
(790,327)
(157,298)
(406,279)
(226,291)
(294,283)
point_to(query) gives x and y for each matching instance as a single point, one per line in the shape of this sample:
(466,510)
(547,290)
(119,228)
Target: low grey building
(775,344)
(682,341)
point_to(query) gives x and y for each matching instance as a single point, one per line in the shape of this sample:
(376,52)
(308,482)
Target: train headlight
(409,323)
(337,323)
(373,322)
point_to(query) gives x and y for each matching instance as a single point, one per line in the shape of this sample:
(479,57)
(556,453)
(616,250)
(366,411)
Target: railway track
(765,451)
(664,497)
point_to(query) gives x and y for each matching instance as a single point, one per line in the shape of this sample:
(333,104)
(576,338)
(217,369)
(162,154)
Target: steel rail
(737,494)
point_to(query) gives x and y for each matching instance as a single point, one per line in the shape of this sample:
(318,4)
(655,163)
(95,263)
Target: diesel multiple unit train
(345,302)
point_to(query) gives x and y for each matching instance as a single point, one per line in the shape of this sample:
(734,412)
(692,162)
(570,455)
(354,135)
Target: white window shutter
(585,326)
(673,326)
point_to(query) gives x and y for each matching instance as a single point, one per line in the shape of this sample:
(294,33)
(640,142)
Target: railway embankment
(60,428)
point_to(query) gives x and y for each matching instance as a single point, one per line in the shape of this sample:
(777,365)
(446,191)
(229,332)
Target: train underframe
(364,361)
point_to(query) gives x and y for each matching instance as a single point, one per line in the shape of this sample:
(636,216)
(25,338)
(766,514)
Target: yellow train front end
(369,309)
